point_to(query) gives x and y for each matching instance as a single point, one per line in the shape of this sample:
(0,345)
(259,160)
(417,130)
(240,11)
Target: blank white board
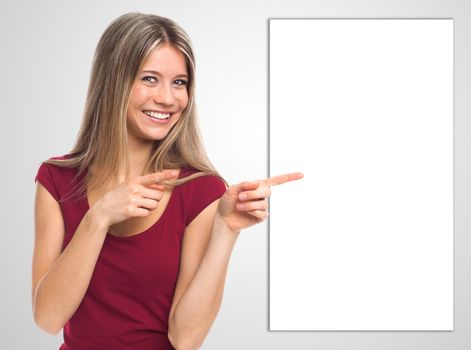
(364,108)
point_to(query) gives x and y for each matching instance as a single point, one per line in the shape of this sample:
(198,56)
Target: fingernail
(242,196)
(240,206)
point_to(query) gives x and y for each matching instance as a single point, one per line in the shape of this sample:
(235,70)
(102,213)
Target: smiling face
(158,95)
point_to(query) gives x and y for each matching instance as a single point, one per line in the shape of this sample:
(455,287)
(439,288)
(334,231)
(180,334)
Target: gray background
(47,50)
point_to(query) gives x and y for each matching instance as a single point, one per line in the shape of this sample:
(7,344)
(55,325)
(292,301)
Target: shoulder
(198,193)
(57,170)
(54,177)
(203,181)
(62,157)
(51,167)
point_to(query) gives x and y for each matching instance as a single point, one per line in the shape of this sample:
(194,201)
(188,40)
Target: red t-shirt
(127,303)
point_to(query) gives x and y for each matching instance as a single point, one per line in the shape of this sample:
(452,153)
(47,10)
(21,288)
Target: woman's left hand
(246,204)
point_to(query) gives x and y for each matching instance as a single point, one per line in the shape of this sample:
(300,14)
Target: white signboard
(364,108)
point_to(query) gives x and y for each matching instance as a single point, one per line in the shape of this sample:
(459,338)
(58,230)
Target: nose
(164,95)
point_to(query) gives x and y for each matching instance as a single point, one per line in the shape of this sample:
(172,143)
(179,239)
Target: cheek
(183,101)
(138,95)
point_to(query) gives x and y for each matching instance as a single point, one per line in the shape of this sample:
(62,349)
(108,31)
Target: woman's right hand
(136,197)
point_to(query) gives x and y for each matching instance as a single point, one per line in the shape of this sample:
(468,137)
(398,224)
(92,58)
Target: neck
(138,157)
(139,154)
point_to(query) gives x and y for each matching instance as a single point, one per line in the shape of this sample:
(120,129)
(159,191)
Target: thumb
(243,186)
(155,178)
(159,187)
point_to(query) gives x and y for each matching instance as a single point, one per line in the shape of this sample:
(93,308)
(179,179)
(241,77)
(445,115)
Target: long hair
(102,139)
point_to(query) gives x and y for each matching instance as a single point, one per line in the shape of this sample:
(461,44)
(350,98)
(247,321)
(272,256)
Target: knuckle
(129,209)
(133,202)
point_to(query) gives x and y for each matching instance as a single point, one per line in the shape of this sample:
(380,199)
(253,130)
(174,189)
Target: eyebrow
(157,73)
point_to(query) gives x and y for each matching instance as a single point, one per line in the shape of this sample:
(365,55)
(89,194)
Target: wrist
(97,219)
(220,225)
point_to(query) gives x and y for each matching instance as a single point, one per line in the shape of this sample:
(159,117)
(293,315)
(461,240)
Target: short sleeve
(206,189)
(45,177)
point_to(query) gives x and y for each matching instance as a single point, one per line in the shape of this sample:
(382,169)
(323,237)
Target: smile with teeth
(157,115)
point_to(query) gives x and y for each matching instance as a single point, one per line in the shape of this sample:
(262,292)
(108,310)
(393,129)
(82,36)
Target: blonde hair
(102,140)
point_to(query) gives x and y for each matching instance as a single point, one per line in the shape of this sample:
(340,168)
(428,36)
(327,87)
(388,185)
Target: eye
(181,82)
(146,78)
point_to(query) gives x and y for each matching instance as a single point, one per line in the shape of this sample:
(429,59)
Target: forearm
(61,290)
(199,305)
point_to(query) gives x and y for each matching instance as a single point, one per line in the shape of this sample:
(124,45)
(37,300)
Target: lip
(158,121)
(153,110)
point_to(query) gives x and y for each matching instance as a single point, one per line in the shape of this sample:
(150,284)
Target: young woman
(134,227)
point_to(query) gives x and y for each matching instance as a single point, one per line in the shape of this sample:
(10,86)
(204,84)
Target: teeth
(157,115)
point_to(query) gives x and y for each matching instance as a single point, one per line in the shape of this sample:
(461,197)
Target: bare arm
(196,307)
(59,292)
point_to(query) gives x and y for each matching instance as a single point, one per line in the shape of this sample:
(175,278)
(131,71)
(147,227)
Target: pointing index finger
(280,179)
(157,177)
